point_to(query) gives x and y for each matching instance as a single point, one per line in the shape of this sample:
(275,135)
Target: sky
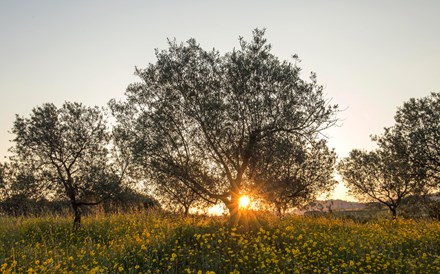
(370,56)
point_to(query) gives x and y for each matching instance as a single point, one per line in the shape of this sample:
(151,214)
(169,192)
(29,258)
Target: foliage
(124,201)
(152,243)
(129,200)
(294,173)
(3,180)
(21,205)
(202,118)
(379,176)
(417,129)
(176,196)
(24,182)
(63,150)
(406,161)
(422,206)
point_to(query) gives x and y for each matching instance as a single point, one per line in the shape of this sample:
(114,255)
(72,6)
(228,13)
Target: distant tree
(294,173)
(200,117)
(176,196)
(66,150)
(129,200)
(415,139)
(407,161)
(380,176)
(422,206)
(3,183)
(23,182)
(21,194)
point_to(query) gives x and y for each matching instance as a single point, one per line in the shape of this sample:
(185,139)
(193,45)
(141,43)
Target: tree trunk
(240,218)
(393,210)
(77,213)
(75,205)
(279,210)
(234,212)
(186,212)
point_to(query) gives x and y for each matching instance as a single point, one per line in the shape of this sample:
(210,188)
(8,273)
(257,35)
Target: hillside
(333,205)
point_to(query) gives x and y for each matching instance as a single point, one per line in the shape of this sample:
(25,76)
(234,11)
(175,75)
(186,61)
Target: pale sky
(370,56)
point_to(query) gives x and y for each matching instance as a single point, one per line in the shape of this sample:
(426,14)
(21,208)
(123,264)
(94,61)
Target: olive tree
(417,128)
(200,117)
(377,176)
(407,160)
(66,150)
(415,137)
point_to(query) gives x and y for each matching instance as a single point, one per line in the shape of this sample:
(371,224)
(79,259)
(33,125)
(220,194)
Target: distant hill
(334,205)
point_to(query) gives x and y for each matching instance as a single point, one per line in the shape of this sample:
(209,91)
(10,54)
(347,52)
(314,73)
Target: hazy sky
(370,56)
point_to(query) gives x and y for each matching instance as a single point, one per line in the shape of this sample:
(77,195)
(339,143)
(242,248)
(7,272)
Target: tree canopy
(294,172)
(378,176)
(407,159)
(203,118)
(65,149)
(417,129)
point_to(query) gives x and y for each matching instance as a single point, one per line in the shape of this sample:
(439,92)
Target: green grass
(159,243)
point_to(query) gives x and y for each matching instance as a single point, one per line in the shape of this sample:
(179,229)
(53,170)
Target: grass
(159,243)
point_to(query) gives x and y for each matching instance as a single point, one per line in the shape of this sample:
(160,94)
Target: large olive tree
(201,117)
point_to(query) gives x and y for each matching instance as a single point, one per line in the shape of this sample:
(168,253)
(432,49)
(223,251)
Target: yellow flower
(94,270)
(173,257)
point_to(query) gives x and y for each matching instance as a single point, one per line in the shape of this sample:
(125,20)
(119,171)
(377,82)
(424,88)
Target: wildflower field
(160,243)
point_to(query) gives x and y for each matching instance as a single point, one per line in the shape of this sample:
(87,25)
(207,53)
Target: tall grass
(160,243)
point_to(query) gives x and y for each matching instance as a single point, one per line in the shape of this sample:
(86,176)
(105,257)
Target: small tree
(378,176)
(66,150)
(200,117)
(407,161)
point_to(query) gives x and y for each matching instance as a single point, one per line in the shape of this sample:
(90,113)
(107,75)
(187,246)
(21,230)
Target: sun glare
(244,201)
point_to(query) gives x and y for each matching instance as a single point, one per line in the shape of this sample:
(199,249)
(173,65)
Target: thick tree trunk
(234,211)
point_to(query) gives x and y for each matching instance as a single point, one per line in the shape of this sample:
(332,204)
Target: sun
(244,201)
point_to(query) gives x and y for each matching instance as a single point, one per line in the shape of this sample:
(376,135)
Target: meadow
(153,242)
